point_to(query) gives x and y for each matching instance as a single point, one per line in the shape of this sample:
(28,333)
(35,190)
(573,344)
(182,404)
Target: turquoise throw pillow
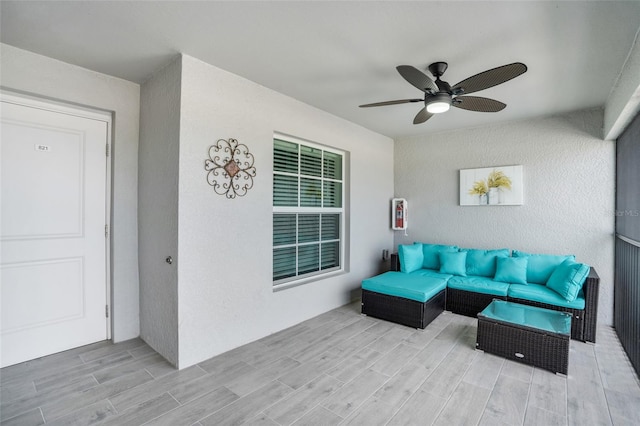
(568,278)
(541,266)
(511,270)
(431,253)
(482,263)
(410,257)
(453,263)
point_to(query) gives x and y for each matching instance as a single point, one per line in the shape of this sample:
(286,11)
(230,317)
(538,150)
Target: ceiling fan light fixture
(438,103)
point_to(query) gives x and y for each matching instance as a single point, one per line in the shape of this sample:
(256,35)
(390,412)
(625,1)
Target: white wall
(623,103)
(158,209)
(49,78)
(225,252)
(569,184)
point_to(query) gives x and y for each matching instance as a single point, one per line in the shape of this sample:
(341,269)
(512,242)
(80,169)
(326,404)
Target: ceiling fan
(439,96)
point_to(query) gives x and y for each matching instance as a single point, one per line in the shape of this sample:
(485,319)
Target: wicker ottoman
(412,300)
(528,334)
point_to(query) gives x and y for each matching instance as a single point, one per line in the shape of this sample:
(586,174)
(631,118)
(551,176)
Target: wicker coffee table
(528,334)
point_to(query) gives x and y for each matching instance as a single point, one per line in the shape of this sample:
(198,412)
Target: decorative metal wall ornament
(230,167)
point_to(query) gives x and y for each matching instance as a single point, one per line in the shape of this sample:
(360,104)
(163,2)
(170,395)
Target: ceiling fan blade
(422,116)
(400,101)
(490,78)
(417,78)
(476,103)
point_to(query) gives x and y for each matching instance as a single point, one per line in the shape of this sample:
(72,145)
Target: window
(308,210)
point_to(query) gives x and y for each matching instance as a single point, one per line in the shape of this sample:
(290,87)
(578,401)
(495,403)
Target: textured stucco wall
(158,209)
(49,78)
(225,246)
(569,185)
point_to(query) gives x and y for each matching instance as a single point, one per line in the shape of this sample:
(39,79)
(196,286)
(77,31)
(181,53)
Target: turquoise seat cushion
(410,257)
(568,278)
(453,263)
(408,286)
(512,270)
(541,266)
(431,254)
(479,285)
(430,273)
(482,263)
(543,294)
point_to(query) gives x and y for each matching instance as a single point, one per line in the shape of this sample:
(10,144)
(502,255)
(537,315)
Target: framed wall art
(492,186)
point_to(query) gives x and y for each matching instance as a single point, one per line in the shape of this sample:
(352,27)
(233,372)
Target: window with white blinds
(308,215)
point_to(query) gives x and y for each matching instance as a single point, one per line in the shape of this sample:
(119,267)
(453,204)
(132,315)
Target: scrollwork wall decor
(230,167)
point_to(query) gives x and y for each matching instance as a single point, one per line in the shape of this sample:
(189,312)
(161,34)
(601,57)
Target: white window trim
(326,273)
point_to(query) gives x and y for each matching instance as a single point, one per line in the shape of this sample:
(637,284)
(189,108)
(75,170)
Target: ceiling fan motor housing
(438,68)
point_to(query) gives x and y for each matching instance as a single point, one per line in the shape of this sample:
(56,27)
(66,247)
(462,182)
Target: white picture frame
(492,186)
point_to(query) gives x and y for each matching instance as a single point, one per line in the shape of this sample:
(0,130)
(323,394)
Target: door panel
(53,207)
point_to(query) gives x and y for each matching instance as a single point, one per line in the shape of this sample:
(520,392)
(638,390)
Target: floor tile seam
(109,353)
(461,380)
(323,372)
(8,401)
(158,416)
(517,378)
(40,405)
(407,400)
(128,363)
(41,415)
(318,404)
(526,405)
(3,420)
(91,372)
(263,409)
(410,360)
(112,406)
(30,375)
(408,397)
(79,378)
(332,412)
(601,382)
(180,405)
(532,383)
(163,385)
(438,364)
(537,407)
(364,400)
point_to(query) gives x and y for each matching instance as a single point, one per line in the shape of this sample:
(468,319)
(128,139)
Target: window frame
(300,279)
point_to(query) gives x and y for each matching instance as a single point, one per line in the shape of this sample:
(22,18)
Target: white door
(53,206)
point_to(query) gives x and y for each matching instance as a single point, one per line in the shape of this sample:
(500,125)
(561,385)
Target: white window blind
(308,199)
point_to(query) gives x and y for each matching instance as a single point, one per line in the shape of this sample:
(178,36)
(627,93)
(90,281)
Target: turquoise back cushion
(512,270)
(453,263)
(410,256)
(482,263)
(541,266)
(568,278)
(431,257)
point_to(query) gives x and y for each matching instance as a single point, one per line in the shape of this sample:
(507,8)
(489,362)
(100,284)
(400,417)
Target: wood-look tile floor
(340,368)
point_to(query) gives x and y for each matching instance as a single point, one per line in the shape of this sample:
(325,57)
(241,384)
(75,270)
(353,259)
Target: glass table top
(528,316)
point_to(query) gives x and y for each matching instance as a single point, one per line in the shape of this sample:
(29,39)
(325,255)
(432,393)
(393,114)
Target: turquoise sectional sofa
(426,279)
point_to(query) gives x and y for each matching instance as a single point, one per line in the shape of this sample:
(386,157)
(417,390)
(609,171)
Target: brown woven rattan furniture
(400,310)
(583,325)
(527,334)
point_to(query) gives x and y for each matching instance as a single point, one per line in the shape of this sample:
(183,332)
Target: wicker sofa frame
(583,323)
(402,311)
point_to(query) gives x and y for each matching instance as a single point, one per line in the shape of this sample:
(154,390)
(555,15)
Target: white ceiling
(338,55)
